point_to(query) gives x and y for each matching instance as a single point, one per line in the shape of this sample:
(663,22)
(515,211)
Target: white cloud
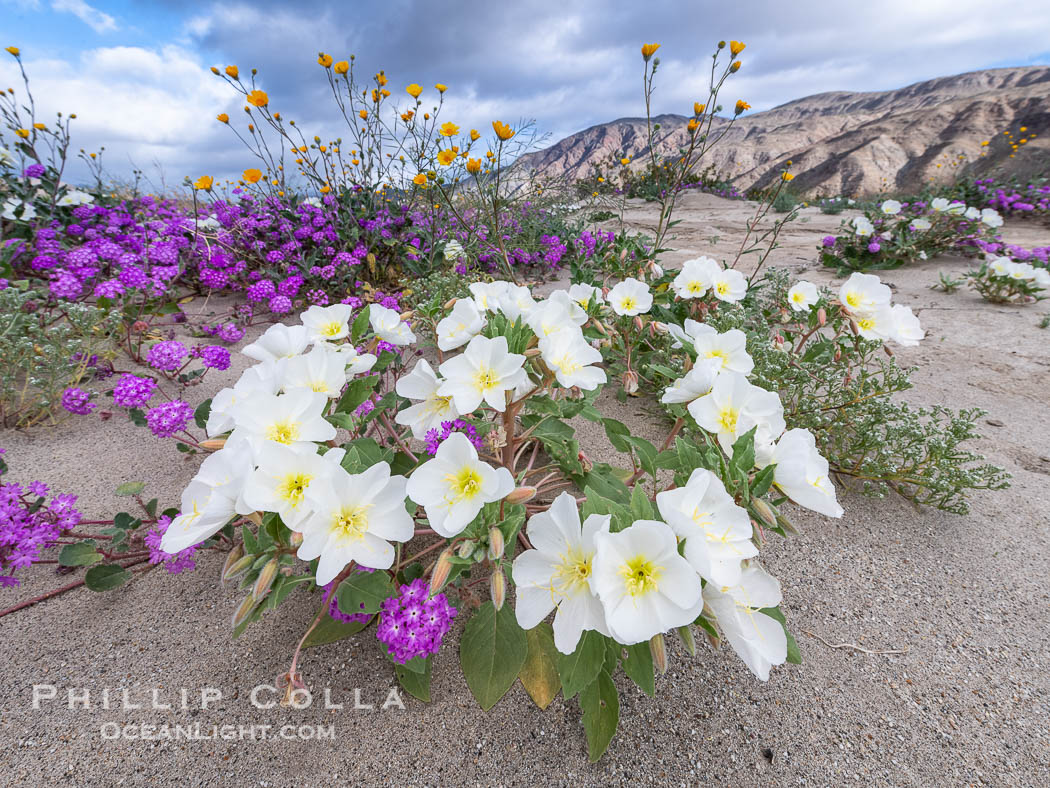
(99,21)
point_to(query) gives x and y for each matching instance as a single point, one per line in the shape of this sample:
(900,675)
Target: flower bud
(630,381)
(450,303)
(235,555)
(243,611)
(658,327)
(638,322)
(658,648)
(686,634)
(466,548)
(887,350)
(295,540)
(764,511)
(522,494)
(439,576)
(498,588)
(238,567)
(600,328)
(213,444)
(822,316)
(585,461)
(838,354)
(532,352)
(786,524)
(406,316)
(265,580)
(496,544)
(139,326)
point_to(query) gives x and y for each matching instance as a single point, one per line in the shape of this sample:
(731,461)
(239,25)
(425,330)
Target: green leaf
(415,683)
(580,668)
(601,714)
(330,631)
(646,453)
(364,588)
(79,554)
(605,481)
(128,489)
(638,665)
(200,415)
(763,481)
(744,452)
(416,664)
(598,504)
(356,392)
(539,674)
(357,330)
(617,432)
(251,546)
(641,506)
(138,418)
(491,653)
(106,577)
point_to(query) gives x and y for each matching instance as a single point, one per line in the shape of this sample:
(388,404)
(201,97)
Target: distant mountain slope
(849,143)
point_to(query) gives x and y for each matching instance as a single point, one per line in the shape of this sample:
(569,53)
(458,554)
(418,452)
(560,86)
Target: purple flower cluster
(29,524)
(175,563)
(132,391)
(435,438)
(166,356)
(413,625)
(77,401)
(214,357)
(168,418)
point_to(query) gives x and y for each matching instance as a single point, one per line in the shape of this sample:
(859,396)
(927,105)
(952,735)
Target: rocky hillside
(851,143)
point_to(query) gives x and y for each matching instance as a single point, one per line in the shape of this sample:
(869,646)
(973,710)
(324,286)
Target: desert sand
(962,602)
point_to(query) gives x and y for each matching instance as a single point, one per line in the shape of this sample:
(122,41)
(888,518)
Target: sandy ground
(966,599)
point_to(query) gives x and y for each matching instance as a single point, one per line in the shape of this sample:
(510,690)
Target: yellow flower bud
(232,72)
(13,50)
(324,60)
(222,117)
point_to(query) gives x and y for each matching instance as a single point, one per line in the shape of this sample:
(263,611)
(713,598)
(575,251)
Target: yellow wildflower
(736,47)
(342,67)
(258,98)
(446,157)
(414,90)
(252,175)
(324,60)
(503,131)
(648,50)
(420,179)
(222,117)
(473,166)
(232,72)
(742,106)
(204,182)
(13,50)
(449,129)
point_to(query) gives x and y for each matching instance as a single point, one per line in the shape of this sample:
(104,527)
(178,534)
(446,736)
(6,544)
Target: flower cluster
(1002,280)
(29,524)
(413,624)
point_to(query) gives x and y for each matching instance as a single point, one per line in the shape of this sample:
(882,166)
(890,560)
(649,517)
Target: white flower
(210,500)
(577,313)
(991,218)
(688,334)
(863,293)
(802,473)
(729,348)
(388,326)
(569,357)
(802,296)
(877,323)
(728,285)
(1042,278)
(354,518)
(487,294)
(284,478)
(717,532)
(264,378)
(209,223)
(972,213)
(923,256)
(757,639)
(319,370)
(515,302)
(314,201)
(906,328)
(557,573)
(279,341)
(484,371)
(355,363)
(463,323)
(694,280)
(327,323)
(75,197)
(862,226)
(1001,266)
(295,419)
(552,317)
(453,250)
(939,204)
(734,406)
(891,207)
(956,208)
(422,384)
(921,223)
(584,295)
(12,204)
(696,383)
(630,297)
(454,485)
(644,585)
(6,157)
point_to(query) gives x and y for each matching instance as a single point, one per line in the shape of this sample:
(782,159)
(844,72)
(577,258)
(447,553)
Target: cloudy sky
(137,73)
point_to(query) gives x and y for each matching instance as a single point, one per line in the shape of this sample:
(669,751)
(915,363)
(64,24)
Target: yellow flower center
(485,379)
(628,303)
(465,484)
(332,329)
(293,487)
(727,419)
(567,365)
(640,575)
(570,578)
(695,288)
(350,522)
(797,298)
(722,288)
(853,299)
(283,432)
(721,355)
(866,324)
(436,404)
